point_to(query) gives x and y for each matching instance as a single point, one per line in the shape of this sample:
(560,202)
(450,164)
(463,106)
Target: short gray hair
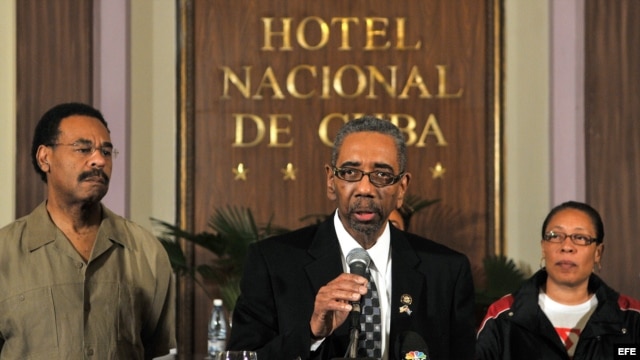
(371,123)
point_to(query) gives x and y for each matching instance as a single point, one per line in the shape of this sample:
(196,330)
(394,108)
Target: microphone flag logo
(415,355)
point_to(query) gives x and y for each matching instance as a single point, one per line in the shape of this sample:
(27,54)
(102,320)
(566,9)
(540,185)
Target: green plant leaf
(502,276)
(233,230)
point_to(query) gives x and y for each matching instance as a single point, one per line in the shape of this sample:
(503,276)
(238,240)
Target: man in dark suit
(297,292)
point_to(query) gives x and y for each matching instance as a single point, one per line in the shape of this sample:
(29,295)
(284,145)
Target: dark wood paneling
(54,65)
(461,35)
(612,111)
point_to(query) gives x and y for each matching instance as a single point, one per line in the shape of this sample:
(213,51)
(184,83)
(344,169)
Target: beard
(370,227)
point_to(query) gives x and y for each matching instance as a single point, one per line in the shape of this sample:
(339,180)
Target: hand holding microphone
(335,301)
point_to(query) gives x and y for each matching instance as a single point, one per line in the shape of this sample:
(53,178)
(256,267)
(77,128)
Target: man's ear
(42,156)
(331,191)
(404,185)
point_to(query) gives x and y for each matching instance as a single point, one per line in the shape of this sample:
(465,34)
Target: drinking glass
(237,355)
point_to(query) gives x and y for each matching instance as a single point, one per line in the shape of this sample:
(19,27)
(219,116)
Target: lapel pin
(406,300)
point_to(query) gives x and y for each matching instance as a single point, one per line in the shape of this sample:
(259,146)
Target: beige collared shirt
(53,305)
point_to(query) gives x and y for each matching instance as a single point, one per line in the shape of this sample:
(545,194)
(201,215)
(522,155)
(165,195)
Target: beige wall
(527,144)
(7,110)
(153,124)
(153,110)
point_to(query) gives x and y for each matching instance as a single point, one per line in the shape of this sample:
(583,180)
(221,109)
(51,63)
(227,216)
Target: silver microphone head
(358,260)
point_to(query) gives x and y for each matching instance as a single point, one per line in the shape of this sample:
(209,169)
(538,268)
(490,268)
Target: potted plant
(233,229)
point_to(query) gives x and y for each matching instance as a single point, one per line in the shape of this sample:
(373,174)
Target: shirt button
(89,352)
(21,297)
(79,265)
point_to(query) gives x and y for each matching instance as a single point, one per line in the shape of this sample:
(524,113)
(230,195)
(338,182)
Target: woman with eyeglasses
(564,311)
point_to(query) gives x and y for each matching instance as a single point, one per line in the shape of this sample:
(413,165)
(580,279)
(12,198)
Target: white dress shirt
(380,269)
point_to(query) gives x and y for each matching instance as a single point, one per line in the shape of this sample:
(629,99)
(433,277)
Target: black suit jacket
(283,274)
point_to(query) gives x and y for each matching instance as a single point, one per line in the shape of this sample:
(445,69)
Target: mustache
(93,173)
(365,205)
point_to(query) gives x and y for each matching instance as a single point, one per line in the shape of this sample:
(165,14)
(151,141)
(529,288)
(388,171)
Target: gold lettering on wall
(431,128)
(275,131)
(344,30)
(442,84)
(405,122)
(278,132)
(285,34)
(324,33)
(376,33)
(260,130)
(347,81)
(366,78)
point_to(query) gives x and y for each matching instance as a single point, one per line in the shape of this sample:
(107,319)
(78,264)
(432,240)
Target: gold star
(437,171)
(240,172)
(289,172)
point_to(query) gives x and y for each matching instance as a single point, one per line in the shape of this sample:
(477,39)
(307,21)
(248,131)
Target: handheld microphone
(411,346)
(358,261)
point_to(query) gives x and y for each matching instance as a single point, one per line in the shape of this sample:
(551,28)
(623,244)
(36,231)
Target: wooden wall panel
(612,97)
(54,49)
(454,46)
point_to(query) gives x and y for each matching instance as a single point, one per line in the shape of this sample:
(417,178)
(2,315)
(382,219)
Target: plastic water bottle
(217,330)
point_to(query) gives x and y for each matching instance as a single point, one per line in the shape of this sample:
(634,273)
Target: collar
(379,253)
(40,229)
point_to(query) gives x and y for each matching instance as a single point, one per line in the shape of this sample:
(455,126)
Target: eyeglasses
(88,149)
(377,178)
(577,239)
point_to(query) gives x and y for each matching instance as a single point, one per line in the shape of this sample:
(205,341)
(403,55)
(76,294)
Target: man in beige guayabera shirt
(76,280)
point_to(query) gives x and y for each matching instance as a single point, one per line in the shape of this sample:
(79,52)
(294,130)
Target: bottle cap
(217,302)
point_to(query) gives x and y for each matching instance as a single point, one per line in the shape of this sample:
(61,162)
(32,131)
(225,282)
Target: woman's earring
(542,262)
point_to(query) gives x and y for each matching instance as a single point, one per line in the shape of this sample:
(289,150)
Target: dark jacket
(515,327)
(283,274)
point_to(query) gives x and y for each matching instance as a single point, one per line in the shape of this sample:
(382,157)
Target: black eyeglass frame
(576,239)
(394,178)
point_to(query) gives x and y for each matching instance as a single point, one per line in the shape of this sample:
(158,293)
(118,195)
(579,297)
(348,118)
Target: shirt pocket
(28,324)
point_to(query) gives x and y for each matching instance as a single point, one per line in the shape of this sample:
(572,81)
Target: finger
(351,278)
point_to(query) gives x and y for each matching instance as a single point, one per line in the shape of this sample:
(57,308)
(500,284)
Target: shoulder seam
(496,309)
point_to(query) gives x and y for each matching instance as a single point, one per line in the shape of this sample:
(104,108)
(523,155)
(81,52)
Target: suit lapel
(408,295)
(325,250)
